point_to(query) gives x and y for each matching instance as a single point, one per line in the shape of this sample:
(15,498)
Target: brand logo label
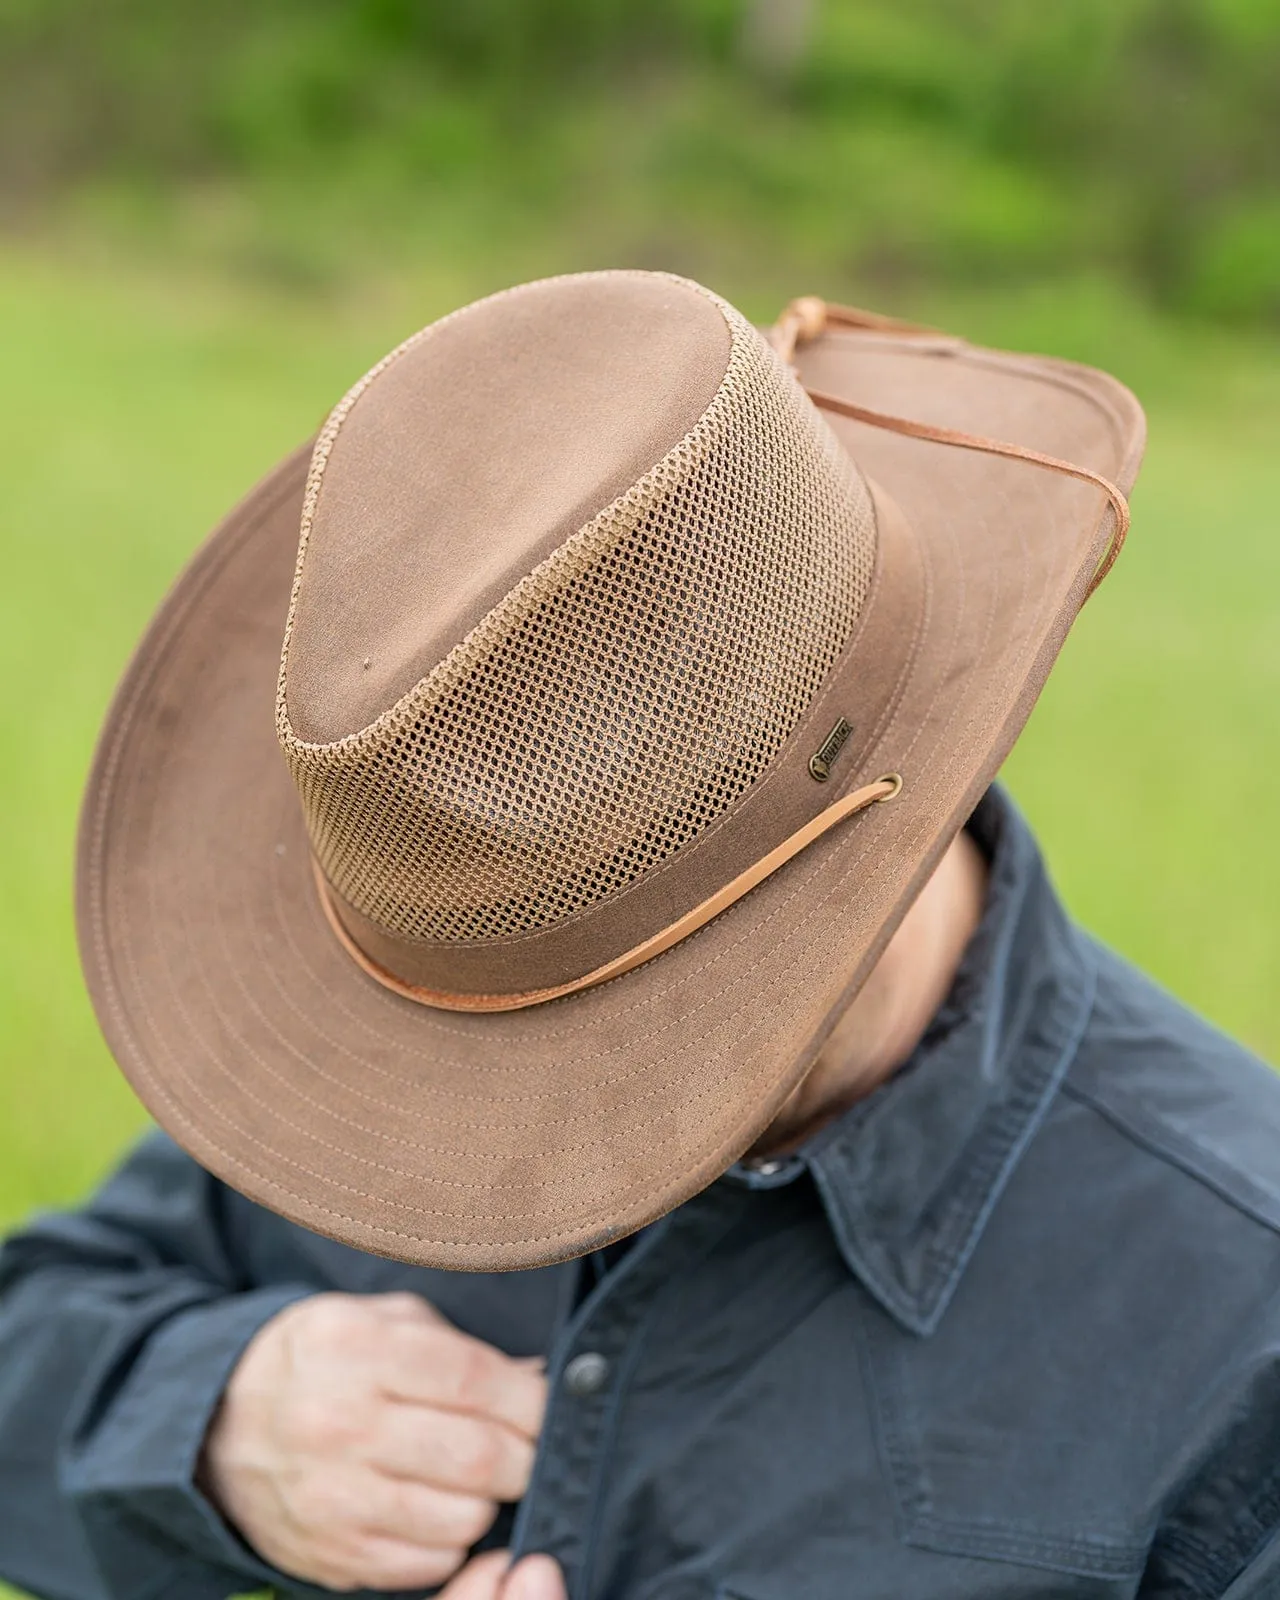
(823,758)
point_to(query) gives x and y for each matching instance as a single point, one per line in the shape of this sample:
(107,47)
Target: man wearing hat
(637,1123)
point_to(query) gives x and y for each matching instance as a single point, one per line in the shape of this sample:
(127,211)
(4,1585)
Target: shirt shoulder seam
(1202,1165)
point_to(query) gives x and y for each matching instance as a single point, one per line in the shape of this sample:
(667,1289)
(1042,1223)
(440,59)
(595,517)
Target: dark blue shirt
(1010,1327)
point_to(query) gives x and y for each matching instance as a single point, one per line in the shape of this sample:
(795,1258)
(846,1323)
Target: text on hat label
(821,761)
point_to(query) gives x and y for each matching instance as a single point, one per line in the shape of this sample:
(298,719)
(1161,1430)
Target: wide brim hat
(356,1035)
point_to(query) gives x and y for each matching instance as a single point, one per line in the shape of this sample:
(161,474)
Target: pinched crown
(622,695)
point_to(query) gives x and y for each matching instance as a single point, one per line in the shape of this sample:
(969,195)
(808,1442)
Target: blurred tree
(775,36)
(943,138)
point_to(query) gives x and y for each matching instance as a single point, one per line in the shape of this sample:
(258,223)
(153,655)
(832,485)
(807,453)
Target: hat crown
(574,564)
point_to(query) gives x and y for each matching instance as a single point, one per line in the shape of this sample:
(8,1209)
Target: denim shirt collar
(909,1176)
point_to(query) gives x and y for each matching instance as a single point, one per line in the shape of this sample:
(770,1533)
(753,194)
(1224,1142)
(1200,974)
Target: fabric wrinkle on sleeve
(119,1326)
(1221,1535)
(132,1481)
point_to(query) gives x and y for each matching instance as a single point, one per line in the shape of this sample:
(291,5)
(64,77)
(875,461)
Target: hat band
(838,746)
(849,805)
(901,585)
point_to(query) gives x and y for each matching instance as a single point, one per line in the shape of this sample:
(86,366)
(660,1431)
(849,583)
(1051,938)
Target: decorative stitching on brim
(657,1199)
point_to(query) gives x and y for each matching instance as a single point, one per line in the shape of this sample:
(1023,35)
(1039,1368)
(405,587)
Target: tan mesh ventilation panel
(622,696)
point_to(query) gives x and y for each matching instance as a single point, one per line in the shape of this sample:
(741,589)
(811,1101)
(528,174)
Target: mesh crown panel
(624,694)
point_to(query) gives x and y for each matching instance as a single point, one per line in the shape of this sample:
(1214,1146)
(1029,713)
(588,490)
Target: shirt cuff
(131,1479)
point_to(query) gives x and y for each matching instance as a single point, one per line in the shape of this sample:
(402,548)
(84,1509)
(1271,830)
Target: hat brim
(517,1139)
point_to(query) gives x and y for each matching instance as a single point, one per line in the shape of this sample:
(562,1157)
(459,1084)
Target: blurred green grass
(141,403)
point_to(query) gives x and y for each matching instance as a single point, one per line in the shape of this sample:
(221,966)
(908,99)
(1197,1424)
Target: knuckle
(535,1391)
(519,1469)
(401,1302)
(332,1328)
(319,1425)
(443,1347)
(478,1455)
(473,1368)
(317,1313)
(341,1326)
(437,1566)
(475,1520)
(400,1507)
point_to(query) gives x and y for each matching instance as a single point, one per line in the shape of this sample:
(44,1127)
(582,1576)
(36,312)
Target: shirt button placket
(560,1513)
(574,1436)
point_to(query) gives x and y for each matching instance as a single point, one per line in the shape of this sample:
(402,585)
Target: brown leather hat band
(870,794)
(858,695)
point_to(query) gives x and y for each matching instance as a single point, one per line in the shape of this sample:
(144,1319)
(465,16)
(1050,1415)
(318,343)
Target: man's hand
(363,1442)
(534,1578)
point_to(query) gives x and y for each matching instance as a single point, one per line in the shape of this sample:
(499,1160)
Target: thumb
(480,1579)
(535,1578)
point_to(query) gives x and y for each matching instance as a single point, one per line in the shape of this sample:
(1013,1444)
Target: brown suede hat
(631,687)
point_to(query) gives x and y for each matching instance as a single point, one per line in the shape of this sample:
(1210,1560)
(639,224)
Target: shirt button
(586,1374)
(763,1166)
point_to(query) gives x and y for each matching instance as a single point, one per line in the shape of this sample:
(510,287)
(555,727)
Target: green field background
(139,405)
(212,221)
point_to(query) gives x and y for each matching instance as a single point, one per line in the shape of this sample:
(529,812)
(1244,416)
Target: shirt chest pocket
(837,1480)
(989,1460)
(981,1582)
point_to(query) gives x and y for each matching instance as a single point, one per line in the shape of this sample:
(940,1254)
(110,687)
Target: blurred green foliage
(890,140)
(214,217)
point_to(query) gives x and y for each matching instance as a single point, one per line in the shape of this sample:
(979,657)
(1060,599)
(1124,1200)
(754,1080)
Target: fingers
(435,1365)
(419,1513)
(391,1564)
(468,1455)
(350,1528)
(365,1443)
(534,1578)
(401,1306)
(480,1579)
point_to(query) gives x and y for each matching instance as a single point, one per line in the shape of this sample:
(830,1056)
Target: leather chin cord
(807,318)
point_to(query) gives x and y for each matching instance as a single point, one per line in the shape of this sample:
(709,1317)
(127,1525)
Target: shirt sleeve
(1260,1580)
(1219,1538)
(119,1326)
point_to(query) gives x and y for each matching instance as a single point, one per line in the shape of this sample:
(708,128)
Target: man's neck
(878,1033)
